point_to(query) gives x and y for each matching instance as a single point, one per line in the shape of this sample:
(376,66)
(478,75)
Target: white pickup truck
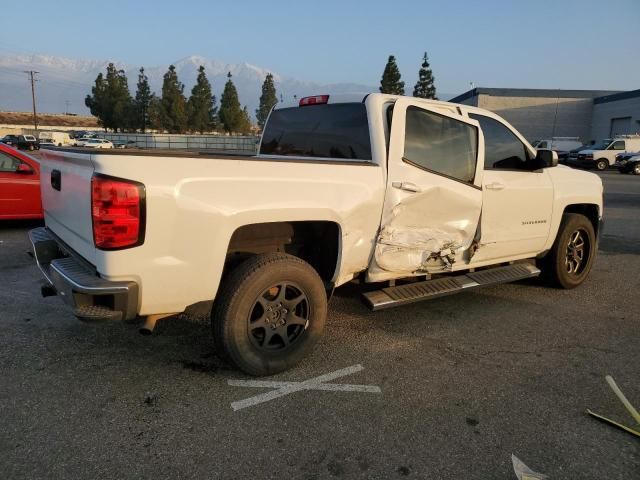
(426,198)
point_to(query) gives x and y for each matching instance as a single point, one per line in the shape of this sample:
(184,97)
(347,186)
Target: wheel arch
(317,242)
(589,210)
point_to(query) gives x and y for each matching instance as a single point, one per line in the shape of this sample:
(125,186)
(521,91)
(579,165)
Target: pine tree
(425,87)
(230,114)
(390,82)
(267,100)
(96,102)
(142,102)
(174,105)
(244,126)
(201,105)
(119,98)
(111,100)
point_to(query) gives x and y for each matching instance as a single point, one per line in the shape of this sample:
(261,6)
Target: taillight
(316,100)
(117,211)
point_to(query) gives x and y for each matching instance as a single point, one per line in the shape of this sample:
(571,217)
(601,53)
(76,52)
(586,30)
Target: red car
(19,185)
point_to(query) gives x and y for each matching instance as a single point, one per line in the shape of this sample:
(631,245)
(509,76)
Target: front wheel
(636,169)
(269,313)
(570,259)
(602,164)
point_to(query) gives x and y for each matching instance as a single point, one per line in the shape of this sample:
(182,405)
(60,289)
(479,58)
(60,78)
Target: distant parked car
(123,144)
(563,157)
(603,155)
(558,144)
(59,139)
(561,145)
(23,142)
(19,185)
(80,142)
(628,163)
(97,143)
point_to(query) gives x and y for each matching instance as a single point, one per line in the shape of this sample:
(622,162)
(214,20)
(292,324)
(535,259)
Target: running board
(414,292)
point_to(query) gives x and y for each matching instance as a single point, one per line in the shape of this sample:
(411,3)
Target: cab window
(618,145)
(8,163)
(502,149)
(440,144)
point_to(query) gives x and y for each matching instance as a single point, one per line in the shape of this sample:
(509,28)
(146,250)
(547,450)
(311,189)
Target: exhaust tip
(150,323)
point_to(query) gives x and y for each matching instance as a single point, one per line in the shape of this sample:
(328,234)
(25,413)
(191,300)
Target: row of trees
(391,80)
(116,109)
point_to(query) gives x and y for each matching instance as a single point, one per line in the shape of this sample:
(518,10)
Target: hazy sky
(584,44)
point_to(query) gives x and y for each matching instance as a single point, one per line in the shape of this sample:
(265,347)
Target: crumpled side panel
(411,250)
(427,232)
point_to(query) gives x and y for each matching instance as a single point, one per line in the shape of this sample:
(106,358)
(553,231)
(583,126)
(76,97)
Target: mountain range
(63,83)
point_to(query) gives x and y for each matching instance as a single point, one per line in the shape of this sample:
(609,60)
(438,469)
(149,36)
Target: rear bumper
(78,283)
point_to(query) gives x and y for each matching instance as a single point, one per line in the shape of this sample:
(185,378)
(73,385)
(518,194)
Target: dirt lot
(49,119)
(465,382)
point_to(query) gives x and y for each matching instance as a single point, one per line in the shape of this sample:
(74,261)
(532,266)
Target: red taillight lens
(318,99)
(117,212)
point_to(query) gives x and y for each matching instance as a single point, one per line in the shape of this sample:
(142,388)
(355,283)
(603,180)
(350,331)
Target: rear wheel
(269,313)
(602,164)
(569,261)
(30,147)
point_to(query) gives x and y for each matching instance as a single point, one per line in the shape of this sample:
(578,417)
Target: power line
(31,74)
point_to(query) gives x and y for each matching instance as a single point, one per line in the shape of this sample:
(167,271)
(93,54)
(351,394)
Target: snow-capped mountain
(62,80)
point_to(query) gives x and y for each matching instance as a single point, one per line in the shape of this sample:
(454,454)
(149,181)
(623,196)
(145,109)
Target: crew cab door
(518,197)
(433,194)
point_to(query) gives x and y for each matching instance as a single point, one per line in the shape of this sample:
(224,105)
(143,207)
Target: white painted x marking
(287,388)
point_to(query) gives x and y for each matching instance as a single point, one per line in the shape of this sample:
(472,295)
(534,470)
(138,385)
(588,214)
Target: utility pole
(66,105)
(31,74)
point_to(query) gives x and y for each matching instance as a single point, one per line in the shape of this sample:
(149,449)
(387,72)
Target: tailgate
(66,198)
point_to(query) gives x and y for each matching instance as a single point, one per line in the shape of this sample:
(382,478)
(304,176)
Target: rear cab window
(331,131)
(440,144)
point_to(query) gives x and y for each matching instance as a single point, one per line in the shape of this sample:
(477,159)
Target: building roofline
(617,96)
(535,92)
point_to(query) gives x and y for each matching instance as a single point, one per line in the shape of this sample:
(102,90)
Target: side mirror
(547,158)
(24,169)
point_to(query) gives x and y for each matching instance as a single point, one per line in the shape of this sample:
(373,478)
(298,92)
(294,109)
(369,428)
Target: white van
(558,144)
(57,138)
(603,155)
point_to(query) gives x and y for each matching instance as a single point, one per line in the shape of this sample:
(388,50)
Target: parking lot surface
(464,382)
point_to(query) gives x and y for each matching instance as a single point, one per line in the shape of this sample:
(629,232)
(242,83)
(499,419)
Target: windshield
(338,130)
(602,145)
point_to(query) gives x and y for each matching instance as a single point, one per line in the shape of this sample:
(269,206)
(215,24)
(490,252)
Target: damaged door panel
(433,200)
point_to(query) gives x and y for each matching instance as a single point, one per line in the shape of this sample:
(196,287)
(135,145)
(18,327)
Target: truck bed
(191,153)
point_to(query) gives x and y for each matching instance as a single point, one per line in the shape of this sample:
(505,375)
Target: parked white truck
(431,197)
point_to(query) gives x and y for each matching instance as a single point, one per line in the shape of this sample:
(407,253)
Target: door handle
(494,186)
(406,186)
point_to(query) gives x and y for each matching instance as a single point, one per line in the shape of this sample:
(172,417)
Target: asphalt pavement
(463,383)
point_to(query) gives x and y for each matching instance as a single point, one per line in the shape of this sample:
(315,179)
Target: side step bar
(414,292)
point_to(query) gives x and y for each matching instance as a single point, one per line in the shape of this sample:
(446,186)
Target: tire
(636,169)
(561,267)
(269,313)
(602,164)
(30,148)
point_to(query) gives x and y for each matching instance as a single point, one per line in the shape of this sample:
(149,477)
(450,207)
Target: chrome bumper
(78,283)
